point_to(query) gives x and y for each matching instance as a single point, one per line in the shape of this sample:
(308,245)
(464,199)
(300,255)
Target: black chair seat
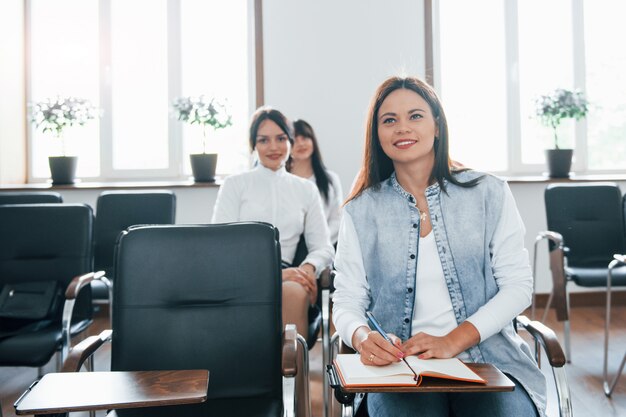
(235,407)
(596,277)
(35,348)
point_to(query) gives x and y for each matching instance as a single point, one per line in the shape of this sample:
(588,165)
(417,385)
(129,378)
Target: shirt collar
(430,190)
(282,171)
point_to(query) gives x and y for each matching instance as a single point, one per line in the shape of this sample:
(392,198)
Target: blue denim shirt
(463,220)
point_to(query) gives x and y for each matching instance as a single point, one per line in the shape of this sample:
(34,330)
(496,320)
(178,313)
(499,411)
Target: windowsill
(112,185)
(573,178)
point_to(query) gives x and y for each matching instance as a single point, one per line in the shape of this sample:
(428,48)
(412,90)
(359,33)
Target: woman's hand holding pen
(374,349)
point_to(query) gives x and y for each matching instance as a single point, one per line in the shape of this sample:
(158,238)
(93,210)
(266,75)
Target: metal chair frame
(609,386)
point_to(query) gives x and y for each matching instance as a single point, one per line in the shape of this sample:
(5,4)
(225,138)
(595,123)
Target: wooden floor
(584,373)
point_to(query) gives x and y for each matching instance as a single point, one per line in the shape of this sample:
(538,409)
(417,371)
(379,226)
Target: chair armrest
(72,291)
(343,348)
(290,351)
(546,337)
(83,350)
(79,282)
(324,280)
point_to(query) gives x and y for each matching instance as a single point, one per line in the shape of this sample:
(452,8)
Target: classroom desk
(83,391)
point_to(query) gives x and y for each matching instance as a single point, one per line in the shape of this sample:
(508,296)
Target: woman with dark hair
(436,252)
(270,194)
(306,162)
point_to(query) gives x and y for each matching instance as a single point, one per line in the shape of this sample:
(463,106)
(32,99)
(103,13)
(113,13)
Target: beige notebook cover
(353,373)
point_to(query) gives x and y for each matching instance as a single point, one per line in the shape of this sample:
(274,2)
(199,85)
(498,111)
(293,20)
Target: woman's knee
(294,294)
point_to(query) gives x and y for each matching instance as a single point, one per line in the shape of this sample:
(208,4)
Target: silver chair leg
(563,392)
(610,386)
(566,331)
(305,375)
(325,350)
(347,410)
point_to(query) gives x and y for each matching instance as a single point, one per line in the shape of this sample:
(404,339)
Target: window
(496,56)
(132,65)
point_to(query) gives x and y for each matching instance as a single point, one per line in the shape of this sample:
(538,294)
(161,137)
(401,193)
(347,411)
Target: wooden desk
(82,391)
(496,382)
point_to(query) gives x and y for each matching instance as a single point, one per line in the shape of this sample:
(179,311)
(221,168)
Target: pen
(376,325)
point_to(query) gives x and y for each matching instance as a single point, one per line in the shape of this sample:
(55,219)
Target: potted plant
(55,116)
(551,109)
(208,113)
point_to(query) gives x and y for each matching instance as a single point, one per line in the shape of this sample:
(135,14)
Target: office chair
(43,247)
(30,197)
(115,212)
(543,336)
(204,297)
(585,229)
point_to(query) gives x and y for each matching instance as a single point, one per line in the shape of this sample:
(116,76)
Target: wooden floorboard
(584,372)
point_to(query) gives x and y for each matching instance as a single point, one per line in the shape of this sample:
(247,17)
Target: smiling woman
(437,254)
(270,194)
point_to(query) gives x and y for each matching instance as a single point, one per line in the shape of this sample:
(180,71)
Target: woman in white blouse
(306,162)
(270,194)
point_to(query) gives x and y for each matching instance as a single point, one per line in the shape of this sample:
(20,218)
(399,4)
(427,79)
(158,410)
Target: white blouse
(332,206)
(290,203)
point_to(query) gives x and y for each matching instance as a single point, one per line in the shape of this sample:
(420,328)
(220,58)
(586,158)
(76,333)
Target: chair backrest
(591,220)
(47,242)
(118,210)
(201,297)
(30,197)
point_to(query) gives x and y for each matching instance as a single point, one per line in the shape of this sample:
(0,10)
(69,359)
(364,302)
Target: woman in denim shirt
(437,253)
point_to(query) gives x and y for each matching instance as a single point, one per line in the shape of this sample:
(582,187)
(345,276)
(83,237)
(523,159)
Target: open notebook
(353,373)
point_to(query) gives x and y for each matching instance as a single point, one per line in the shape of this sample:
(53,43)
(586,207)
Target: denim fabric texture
(463,220)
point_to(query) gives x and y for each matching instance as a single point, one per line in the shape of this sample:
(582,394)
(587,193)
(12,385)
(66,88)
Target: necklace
(423,215)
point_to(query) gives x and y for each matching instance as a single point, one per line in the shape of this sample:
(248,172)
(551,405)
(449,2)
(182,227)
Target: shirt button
(410,290)
(412,256)
(406,320)
(414,225)
(411,199)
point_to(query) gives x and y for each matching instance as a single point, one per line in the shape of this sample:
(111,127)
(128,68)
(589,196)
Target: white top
(433,313)
(332,206)
(514,291)
(290,203)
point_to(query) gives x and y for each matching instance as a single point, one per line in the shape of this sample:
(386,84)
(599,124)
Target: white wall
(324,59)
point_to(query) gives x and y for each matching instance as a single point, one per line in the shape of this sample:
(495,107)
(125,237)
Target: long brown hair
(322,179)
(377,166)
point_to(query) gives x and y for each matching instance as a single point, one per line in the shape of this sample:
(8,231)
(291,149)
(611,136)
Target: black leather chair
(585,229)
(30,197)
(43,245)
(203,297)
(115,212)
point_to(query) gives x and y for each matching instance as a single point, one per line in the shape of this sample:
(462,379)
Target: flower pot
(559,162)
(203,166)
(62,169)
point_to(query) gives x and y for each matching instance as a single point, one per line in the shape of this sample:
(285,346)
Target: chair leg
(305,376)
(325,350)
(609,387)
(566,328)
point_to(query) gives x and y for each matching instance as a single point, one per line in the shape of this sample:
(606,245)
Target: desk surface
(79,391)
(496,382)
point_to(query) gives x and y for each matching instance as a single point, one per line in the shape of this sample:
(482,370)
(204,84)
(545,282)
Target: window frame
(175,169)
(514,153)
